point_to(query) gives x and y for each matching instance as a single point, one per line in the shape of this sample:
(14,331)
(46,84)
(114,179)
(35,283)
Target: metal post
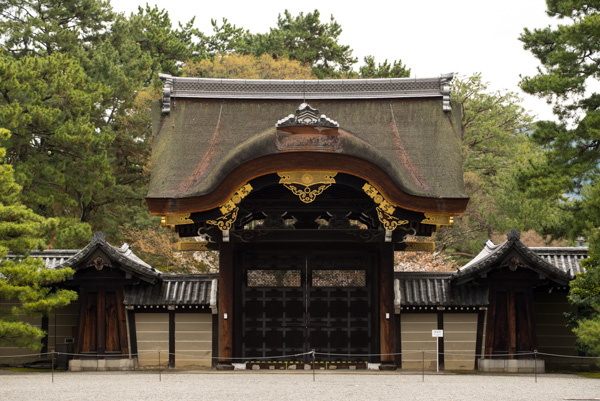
(159,372)
(437,353)
(535,364)
(52,361)
(423,364)
(313,364)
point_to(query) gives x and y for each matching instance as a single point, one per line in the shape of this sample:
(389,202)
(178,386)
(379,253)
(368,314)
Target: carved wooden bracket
(307,185)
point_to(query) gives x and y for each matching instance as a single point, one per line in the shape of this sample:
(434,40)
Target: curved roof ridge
(307,89)
(490,255)
(124,255)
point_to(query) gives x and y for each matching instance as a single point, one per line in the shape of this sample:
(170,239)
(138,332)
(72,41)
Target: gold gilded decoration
(176,219)
(229,210)
(225,222)
(420,246)
(438,219)
(240,194)
(307,185)
(385,205)
(389,222)
(192,246)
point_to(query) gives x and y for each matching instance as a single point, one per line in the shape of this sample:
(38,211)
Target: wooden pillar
(101,326)
(171,339)
(122,324)
(491,324)
(83,302)
(440,340)
(215,339)
(386,306)
(479,337)
(132,332)
(398,333)
(512,323)
(225,306)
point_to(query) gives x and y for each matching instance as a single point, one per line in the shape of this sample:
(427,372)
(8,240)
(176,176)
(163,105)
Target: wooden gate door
(102,328)
(292,303)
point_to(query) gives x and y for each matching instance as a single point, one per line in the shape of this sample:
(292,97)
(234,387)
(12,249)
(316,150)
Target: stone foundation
(511,365)
(79,365)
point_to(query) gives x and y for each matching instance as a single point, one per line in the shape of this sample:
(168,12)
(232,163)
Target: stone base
(387,366)
(512,365)
(224,366)
(79,365)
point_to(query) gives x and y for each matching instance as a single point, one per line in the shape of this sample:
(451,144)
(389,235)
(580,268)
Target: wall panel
(193,340)
(416,337)
(152,330)
(460,336)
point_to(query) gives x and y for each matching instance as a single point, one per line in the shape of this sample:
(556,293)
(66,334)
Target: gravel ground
(292,385)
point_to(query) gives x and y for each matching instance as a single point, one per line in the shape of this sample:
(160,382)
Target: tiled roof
(52,257)
(175,289)
(435,289)
(567,259)
(491,255)
(306,89)
(123,255)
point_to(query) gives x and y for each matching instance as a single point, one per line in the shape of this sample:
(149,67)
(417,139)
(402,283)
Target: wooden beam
(122,326)
(83,301)
(440,326)
(530,310)
(479,337)
(226,311)
(512,323)
(386,306)
(101,326)
(398,333)
(491,322)
(172,339)
(132,332)
(215,339)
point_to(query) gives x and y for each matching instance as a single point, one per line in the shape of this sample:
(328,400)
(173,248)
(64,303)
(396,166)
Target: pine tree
(24,281)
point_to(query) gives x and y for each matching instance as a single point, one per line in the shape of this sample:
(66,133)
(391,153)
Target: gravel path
(295,386)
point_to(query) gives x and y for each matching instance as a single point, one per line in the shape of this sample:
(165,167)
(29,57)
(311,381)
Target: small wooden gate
(292,303)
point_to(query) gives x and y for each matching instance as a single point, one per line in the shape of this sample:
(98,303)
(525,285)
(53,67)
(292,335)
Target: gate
(292,303)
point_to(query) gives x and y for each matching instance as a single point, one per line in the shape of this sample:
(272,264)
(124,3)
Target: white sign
(437,333)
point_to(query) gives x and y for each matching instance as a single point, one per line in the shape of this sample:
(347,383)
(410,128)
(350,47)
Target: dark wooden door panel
(295,302)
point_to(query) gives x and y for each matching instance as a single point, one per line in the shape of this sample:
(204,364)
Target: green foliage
(385,70)
(569,56)
(71,77)
(226,39)
(28,283)
(59,154)
(588,335)
(494,143)
(248,67)
(24,281)
(569,170)
(302,38)
(77,81)
(33,27)
(306,39)
(584,294)
(165,47)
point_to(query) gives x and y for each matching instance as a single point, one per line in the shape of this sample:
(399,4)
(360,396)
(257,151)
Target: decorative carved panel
(307,185)
(339,278)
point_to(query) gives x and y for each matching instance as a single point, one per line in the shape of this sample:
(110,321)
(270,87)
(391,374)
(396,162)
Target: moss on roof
(201,141)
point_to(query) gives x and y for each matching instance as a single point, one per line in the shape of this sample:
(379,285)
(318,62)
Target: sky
(431,37)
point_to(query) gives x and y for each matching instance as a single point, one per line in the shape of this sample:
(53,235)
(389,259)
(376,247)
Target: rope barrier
(312,353)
